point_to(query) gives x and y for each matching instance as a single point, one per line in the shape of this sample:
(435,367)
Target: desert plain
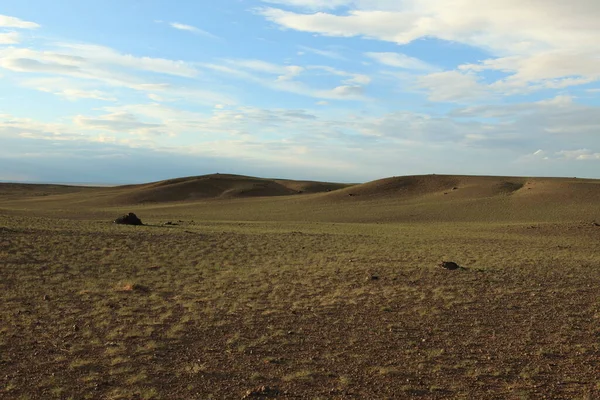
(239,287)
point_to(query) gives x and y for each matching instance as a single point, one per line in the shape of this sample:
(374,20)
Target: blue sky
(343,90)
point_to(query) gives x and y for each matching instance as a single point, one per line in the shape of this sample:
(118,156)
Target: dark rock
(263,391)
(449,265)
(595,224)
(129,219)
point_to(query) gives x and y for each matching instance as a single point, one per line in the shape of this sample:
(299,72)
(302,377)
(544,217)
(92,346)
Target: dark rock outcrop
(128,219)
(262,392)
(449,265)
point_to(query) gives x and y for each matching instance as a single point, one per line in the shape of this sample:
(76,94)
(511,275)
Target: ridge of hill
(224,186)
(418,198)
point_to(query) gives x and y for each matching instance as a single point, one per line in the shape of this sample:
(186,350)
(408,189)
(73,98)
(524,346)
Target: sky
(128,91)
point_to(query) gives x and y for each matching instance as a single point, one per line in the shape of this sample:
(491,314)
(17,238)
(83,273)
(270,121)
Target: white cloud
(290,72)
(325,53)
(580,155)
(9,38)
(156,97)
(347,91)
(506,26)
(122,122)
(400,60)
(84,64)
(453,86)
(353,78)
(539,44)
(569,155)
(344,137)
(77,58)
(192,29)
(13,22)
(286,78)
(68,88)
(310,4)
(545,70)
(106,55)
(537,155)
(75,94)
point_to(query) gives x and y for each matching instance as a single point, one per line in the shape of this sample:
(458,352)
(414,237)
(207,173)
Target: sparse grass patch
(303,375)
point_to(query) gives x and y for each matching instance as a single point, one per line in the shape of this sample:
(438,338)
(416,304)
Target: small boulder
(449,265)
(128,219)
(261,392)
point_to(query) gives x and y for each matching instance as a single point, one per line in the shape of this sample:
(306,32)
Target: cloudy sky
(118,91)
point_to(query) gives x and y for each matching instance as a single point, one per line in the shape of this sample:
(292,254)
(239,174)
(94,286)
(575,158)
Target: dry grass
(219,306)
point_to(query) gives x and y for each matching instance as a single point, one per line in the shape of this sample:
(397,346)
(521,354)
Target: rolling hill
(395,199)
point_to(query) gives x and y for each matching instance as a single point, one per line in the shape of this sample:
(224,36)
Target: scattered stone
(129,219)
(454,188)
(351,194)
(373,277)
(595,224)
(449,265)
(170,223)
(263,391)
(46,297)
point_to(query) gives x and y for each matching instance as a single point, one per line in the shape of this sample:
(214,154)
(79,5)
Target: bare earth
(302,290)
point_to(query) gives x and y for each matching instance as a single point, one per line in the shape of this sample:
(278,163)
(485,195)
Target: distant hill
(418,198)
(457,187)
(218,186)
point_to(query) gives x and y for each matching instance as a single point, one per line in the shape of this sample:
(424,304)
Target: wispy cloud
(311,4)
(9,38)
(535,56)
(76,71)
(288,78)
(192,29)
(400,60)
(325,53)
(14,22)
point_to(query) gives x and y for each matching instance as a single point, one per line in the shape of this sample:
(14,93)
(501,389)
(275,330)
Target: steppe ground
(329,293)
